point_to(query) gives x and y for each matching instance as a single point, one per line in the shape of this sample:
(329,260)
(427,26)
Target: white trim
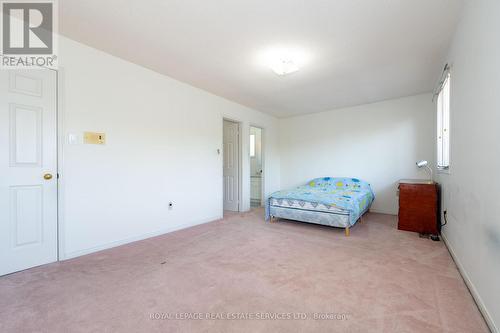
(61,246)
(138,238)
(59,154)
(472,289)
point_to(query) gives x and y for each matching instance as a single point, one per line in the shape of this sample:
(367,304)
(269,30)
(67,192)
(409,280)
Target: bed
(336,202)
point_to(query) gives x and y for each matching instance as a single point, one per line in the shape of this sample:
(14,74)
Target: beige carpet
(249,276)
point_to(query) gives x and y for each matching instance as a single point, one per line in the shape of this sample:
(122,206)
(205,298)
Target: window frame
(443,115)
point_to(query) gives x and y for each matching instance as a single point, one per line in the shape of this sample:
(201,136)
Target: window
(443,125)
(252,145)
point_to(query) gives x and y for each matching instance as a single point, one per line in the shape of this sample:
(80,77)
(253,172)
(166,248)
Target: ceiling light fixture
(283,61)
(284,66)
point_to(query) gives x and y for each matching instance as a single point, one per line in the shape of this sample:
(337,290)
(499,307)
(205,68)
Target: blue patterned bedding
(349,194)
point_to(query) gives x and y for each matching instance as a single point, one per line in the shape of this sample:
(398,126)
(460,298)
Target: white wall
(378,142)
(472,189)
(162,141)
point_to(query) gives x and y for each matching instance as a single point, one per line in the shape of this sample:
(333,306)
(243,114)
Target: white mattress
(300,204)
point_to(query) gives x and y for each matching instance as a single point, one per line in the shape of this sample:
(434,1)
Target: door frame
(263,164)
(60,103)
(61,248)
(240,128)
(59,154)
(59,159)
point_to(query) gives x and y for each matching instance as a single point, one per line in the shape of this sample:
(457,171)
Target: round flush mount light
(284,60)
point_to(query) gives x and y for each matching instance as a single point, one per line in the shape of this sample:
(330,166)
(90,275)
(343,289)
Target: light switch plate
(74,139)
(94,138)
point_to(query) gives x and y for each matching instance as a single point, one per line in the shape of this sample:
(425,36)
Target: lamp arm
(430,172)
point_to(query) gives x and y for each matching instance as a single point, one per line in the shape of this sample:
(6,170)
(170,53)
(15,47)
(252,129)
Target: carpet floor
(241,274)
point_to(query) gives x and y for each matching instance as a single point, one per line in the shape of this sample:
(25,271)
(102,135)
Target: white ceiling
(361,50)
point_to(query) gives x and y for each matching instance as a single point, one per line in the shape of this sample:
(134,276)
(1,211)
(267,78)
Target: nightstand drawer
(418,220)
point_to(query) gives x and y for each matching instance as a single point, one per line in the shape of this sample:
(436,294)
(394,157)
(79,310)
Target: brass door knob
(47,176)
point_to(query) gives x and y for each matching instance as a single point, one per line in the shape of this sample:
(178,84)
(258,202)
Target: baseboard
(477,298)
(379,211)
(79,253)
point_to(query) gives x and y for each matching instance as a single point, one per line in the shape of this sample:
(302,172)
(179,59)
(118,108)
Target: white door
(231,166)
(28,169)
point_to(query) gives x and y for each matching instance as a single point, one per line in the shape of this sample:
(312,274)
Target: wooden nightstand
(419,206)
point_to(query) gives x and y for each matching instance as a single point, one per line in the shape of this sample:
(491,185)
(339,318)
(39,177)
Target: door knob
(47,176)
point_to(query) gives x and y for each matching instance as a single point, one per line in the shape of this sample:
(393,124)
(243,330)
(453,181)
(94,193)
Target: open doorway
(256,167)
(231,165)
